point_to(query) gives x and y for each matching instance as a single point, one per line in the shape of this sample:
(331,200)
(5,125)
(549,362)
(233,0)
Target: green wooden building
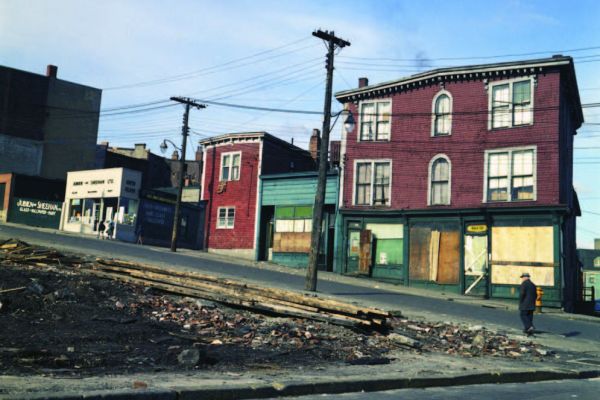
(285,219)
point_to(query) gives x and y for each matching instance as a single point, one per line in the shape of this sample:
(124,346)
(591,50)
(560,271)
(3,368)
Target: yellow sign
(477,228)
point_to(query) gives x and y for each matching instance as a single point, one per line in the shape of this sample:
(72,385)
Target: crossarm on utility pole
(185,133)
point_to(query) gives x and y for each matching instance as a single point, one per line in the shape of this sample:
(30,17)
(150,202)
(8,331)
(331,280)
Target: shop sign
(35,212)
(479,228)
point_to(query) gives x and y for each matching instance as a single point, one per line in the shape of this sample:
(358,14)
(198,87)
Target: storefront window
(518,249)
(434,252)
(75,210)
(128,209)
(388,243)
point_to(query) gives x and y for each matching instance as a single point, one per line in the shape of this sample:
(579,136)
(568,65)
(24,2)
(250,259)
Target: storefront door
(353,251)
(476,261)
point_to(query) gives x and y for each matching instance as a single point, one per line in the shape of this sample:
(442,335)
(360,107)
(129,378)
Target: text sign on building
(35,212)
(103,183)
(479,228)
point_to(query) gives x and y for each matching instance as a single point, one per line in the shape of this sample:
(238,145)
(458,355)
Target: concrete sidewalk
(409,370)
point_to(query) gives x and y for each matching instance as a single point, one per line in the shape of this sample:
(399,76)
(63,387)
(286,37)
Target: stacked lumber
(193,284)
(19,252)
(239,294)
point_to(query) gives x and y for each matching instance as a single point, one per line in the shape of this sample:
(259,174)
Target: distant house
(48,126)
(230,183)
(461,179)
(157,171)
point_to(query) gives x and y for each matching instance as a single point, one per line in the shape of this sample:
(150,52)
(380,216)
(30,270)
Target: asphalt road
(588,389)
(572,330)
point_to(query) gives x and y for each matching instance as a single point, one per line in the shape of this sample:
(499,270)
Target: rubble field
(58,321)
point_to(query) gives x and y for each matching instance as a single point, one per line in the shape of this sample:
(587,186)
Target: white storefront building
(95,197)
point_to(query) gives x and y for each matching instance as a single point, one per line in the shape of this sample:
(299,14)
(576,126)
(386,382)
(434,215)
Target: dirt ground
(62,322)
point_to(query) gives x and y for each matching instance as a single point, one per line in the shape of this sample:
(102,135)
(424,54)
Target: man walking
(527,297)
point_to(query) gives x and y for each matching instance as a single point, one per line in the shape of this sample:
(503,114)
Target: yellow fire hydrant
(538,300)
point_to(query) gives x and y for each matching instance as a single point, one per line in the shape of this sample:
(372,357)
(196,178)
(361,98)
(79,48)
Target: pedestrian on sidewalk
(110,228)
(527,295)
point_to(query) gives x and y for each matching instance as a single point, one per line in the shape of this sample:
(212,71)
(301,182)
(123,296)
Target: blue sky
(110,44)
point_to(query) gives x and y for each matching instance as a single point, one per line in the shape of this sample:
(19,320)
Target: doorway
(476,262)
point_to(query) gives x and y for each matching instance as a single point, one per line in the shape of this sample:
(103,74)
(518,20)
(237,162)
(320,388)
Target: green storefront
(285,219)
(471,252)
(34,212)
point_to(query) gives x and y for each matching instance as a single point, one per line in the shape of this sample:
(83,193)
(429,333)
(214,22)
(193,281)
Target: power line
(476,57)
(215,68)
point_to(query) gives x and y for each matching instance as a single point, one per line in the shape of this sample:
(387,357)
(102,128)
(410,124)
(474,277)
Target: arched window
(442,114)
(439,180)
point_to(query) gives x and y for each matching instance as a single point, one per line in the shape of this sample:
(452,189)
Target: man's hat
(525,275)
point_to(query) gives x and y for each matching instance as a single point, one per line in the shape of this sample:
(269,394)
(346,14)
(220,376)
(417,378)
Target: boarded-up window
(518,249)
(388,243)
(434,252)
(293,225)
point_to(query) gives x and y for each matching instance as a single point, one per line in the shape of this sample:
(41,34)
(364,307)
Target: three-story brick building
(462,179)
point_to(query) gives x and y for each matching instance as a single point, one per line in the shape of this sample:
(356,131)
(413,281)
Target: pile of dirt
(59,321)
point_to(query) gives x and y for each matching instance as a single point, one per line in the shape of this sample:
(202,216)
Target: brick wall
(411,147)
(240,194)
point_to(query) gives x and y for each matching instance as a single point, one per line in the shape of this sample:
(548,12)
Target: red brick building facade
(230,182)
(462,178)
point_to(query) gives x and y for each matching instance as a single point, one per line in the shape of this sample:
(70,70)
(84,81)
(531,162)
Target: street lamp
(349,123)
(164,146)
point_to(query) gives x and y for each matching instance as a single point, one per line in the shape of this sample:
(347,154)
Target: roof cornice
(483,71)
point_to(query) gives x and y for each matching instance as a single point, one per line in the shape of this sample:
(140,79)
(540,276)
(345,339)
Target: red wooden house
(231,184)
(462,179)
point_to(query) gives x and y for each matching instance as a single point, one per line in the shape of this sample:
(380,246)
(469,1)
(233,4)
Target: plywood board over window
(449,257)
(534,244)
(434,254)
(518,249)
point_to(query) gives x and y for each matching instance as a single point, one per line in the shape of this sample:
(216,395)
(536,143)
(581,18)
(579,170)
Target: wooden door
(364,265)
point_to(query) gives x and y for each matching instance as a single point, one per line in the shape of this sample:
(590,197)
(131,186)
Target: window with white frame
(372,183)
(226,217)
(375,120)
(510,174)
(439,189)
(511,103)
(230,166)
(442,115)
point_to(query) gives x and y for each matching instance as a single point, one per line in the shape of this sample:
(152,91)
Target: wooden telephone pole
(333,42)
(185,133)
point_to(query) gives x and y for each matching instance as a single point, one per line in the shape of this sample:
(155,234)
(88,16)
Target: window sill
(374,141)
(500,128)
(508,201)
(441,135)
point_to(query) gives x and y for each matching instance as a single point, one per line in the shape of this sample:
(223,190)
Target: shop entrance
(353,251)
(476,260)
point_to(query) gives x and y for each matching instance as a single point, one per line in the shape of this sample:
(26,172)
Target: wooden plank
(286,295)
(434,255)
(364,257)
(253,305)
(419,253)
(449,258)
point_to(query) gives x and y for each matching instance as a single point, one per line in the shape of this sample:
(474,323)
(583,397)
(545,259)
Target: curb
(344,385)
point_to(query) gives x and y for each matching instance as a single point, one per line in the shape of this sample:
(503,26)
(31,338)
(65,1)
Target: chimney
(199,154)
(105,144)
(51,71)
(140,146)
(175,155)
(314,144)
(362,82)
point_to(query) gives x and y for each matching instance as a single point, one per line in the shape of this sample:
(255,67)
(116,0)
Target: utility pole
(333,42)
(184,132)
